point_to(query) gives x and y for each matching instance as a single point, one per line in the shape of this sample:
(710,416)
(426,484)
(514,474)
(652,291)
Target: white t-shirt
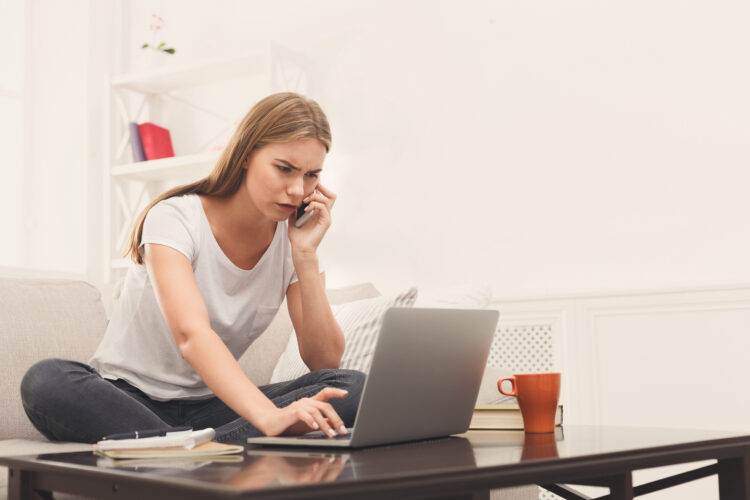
(138,347)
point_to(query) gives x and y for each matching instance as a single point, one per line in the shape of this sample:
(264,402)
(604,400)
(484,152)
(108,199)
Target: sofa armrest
(42,319)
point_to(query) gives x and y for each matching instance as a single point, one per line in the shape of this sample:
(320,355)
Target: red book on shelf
(156,141)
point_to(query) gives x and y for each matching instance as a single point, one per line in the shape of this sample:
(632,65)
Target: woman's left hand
(307,237)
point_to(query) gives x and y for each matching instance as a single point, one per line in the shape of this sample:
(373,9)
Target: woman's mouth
(284,206)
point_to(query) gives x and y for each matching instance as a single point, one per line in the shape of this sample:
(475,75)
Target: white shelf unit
(158,170)
(163,80)
(129,186)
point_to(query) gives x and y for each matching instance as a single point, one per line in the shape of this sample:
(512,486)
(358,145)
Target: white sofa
(66,319)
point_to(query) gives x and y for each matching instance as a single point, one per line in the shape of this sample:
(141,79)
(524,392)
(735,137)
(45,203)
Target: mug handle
(513,392)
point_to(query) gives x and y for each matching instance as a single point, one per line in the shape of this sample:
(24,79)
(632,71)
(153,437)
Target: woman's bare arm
(186,315)
(320,339)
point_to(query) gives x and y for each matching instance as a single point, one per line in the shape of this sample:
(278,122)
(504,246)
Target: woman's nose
(296,188)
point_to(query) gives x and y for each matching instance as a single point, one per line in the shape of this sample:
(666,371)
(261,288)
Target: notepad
(201,451)
(184,440)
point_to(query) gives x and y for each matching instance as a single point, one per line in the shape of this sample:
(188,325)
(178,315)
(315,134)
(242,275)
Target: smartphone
(302,216)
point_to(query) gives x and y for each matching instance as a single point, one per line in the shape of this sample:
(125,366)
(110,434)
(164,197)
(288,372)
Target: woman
(214,260)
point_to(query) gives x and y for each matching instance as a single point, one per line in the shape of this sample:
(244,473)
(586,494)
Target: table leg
(734,478)
(19,485)
(621,487)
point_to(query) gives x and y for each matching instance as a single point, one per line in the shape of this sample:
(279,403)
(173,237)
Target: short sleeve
(171,223)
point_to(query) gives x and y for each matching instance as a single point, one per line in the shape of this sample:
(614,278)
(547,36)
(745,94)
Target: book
(181,463)
(135,143)
(489,438)
(156,141)
(503,416)
(183,439)
(202,451)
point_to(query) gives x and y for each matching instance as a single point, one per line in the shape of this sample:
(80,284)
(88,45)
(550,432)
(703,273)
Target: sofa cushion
(360,321)
(14,447)
(259,360)
(42,319)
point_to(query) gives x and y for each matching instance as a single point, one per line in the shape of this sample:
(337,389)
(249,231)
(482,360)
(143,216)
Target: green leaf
(169,51)
(144,46)
(162,44)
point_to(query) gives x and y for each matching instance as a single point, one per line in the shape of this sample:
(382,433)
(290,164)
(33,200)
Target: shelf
(193,74)
(159,170)
(255,72)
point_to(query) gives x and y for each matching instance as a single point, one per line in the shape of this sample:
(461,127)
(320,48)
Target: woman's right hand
(305,415)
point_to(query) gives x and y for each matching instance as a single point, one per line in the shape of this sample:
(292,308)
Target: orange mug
(537,395)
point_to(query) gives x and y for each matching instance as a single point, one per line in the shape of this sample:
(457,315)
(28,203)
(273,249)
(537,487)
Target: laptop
(423,382)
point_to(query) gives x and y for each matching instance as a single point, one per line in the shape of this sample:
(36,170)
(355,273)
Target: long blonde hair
(281,117)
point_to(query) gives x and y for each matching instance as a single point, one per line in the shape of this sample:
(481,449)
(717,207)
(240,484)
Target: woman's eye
(288,170)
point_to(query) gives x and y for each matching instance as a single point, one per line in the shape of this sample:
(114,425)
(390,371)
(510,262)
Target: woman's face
(280,175)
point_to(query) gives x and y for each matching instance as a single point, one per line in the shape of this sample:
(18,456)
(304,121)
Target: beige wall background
(540,147)
(567,153)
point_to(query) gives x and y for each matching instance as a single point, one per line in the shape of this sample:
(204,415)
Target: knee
(40,380)
(351,380)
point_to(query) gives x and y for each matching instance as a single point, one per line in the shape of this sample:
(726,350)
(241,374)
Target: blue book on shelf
(135,143)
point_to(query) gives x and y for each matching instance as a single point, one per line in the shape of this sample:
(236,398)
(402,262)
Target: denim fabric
(69,401)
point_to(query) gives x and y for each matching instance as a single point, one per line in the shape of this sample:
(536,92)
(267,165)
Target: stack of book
(494,410)
(150,142)
(503,416)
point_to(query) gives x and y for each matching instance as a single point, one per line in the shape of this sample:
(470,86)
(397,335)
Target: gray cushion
(351,293)
(42,319)
(260,359)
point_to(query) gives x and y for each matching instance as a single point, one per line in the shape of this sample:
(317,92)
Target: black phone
(302,216)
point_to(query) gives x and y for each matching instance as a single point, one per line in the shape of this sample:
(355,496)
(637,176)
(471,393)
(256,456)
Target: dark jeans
(70,401)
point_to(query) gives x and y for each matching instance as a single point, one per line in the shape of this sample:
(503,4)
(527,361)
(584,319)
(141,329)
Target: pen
(146,434)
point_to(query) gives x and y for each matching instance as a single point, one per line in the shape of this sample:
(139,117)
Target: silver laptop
(423,381)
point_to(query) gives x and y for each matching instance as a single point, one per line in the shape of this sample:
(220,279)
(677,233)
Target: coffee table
(466,466)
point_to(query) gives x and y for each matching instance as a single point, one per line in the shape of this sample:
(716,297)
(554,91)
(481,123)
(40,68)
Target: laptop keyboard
(348,435)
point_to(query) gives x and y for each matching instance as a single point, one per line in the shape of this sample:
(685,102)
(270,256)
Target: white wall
(43,208)
(13,31)
(546,148)
(57,224)
(542,147)
(52,197)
